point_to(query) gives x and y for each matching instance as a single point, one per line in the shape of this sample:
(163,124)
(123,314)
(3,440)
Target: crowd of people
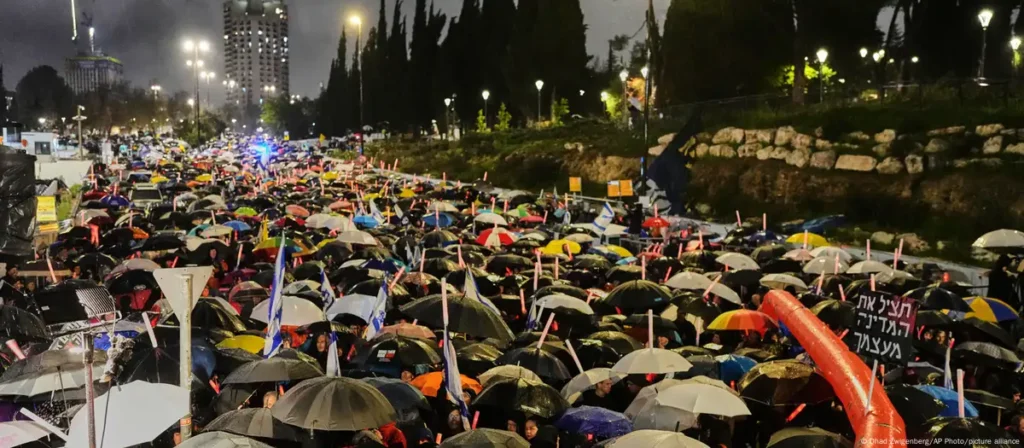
(348,301)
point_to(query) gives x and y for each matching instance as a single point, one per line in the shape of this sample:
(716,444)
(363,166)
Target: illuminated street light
(822,55)
(604,96)
(914,59)
(863,53)
(644,71)
(486,95)
(876,56)
(540,87)
(985,16)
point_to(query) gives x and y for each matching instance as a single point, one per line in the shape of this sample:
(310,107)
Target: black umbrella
(390,350)
(334,404)
(637,296)
(622,343)
(163,242)
(985,398)
(836,313)
(913,404)
(229,359)
(403,396)
(439,267)
(624,273)
(768,252)
(310,270)
(787,382)
(953,432)
(254,422)
(541,362)
(807,438)
(594,353)
(438,238)
(466,315)
(592,262)
(272,370)
(16,323)
(559,288)
(984,331)
(935,298)
(987,354)
(129,282)
(933,318)
(486,438)
(522,395)
(478,358)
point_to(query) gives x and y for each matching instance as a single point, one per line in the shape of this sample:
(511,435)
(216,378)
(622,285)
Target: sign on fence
(613,189)
(575,185)
(626,188)
(884,327)
(46,209)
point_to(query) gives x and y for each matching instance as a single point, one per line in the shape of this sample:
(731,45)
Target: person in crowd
(269,399)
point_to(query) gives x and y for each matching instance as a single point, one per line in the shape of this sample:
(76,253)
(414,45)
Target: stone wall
(887,152)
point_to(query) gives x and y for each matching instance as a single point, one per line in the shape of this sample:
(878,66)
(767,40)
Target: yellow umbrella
(370,196)
(157,179)
(813,239)
(558,247)
(330,175)
(619,250)
(247,342)
(204,178)
(325,242)
(407,193)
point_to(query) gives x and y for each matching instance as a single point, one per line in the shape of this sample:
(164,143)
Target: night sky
(147,34)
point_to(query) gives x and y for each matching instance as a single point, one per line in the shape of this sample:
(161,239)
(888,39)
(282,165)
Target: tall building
(90,70)
(255,50)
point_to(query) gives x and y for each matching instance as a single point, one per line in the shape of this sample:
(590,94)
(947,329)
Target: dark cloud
(147,34)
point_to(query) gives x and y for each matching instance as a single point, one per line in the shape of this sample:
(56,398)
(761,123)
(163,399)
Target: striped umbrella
(992,310)
(743,320)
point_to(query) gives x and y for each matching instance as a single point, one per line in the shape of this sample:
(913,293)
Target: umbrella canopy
(404,397)
(743,320)
(777,383)
(652,360)
(506,372)
(637,296)
(783,281)
(914,405)
(868,267)
(536,360)
(522,395)
(825,264)
(807,438)
(334,404)
(47,372)
(951,430)
(296,311)
(466,315)
(254,422)
(1001,241)
(119,421)
(813,239)
(991,310)
(738,261)
(273,370)
(485,438)
(221,439)
(651,438)
(15,433)
(591,420)
(703,399)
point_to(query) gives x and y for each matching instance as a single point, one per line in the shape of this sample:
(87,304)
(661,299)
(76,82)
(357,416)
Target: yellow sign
(613,189)
(322,138)
(626,188)
(287,137)
(575,184)
(48,228)
(46,209)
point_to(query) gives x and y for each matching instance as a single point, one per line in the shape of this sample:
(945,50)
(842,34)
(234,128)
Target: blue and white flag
(949,372)
(471,290)
(333,363)
(453,379)
(376,321)
(604,219)
(566,217)
(375,212)
(398,212)
(276,309)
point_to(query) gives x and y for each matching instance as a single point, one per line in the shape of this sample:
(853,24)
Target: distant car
(144,195)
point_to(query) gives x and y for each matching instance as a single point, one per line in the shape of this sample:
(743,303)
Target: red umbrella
(655,222)
(494,237)
(297,211)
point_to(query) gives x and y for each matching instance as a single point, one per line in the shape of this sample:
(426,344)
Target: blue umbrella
(763,236)
(195,230)
(594,420)
(390,265)
(949,398)
(733,367)
(115,200)
(238,225)
(626,261)
(366,221)
(444,219)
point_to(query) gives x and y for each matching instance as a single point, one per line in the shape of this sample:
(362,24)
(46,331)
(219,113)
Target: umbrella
(617,340)
(400,351)
(783,281)
(807,438)
(254,422)
(985,398)
(408,330)
(813,240)
(991,310)
(16,323)
(985,331)
(490,218)
(334,404)
(651,438)
(273,370)
(15,433)
(733,367)
(485,438)
(522,395)
(430,383)
(915,405)
(539,361)
(824,264)
(835,313)
(652,360)
(590,420)
(738,261)
(637,296)
(703,399)
(948,432)
(586,381)
(868,267)
(936,298)
(506,372)
(404,397)
(296,311)
(247,342)
(1001,241)
(496,237)
(564,302)
(220,439)
(47,372)
(118,419)
(743,320)
(777,383)
(986,353)
(466,315)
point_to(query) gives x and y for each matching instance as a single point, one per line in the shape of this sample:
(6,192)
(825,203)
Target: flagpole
(185,357)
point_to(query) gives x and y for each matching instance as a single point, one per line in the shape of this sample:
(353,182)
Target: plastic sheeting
(882,426)
(17,203)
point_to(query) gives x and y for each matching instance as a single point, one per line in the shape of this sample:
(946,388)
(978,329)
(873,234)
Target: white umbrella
(506,372)
(135,264)
(356,237)
(703,399)
(581,238)
(781,281)
(652,360)
(71,377)
(825,265)
(192,243)
(665,418)
(688,280)
(216,231)
(671,312)
(720,290)
(651,438)
(586,381)
(831,252)
(119,422)
(868,267)
(648,394)
(564,301)
(892,274)
(295,287)
(296,311)
(221,439)
(339,223)
(220,301)
(442,207)
(316,220)
(20,432)
(1001,240)
(359,305)
(798,255)
(738,261)
(490,218)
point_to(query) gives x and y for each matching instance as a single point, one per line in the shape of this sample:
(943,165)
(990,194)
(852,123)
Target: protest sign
(884,327)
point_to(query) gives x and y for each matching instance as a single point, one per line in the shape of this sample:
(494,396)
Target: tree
(209,127)
(615,45)
(3,97)
(425,98)
(285,115)
(504,119)
(42,93)
(334,104)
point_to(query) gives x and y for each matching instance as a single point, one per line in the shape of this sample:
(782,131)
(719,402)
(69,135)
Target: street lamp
(876,56)
(358,22)
(604,96)
(644,71)
(79,118)
(447,111)
(822,55)
(540,87)
(623,76)
(486,95)
(863,52)
(985,16)
(42,123)
(195,48)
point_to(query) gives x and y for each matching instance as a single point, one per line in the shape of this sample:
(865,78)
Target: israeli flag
(379,310)
(453,380)
(333,363)
(471,291)
(375,212)
(276,309)
(604,219)
(566,217)
(949,372)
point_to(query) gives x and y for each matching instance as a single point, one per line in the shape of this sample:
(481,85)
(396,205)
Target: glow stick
(739,222)
(643,268)
(149,329)
(444,302)
(806,238)
(522,301)
(238,262)
(868,249)
(821,282)
(711,286)
(545,216)
(556,267)
(960,391)
(504,209)
(896,257)
(15,348)
(572,352)
(835,267)
(668,274)
(679,252)
(764,222)
(871,387)
(544,334)
(485,176)
(423,259)
(536,273)
(698,324)
(49,265)
(842,293)
(650,329)
(700,234)
(872,282)
(397,277)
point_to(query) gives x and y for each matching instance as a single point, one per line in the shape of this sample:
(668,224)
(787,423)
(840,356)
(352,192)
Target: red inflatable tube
(882,426)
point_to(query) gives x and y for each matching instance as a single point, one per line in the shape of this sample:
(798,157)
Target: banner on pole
(883,327)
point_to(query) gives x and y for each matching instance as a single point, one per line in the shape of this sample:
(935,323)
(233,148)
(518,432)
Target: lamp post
(647,99)
(447,110)
(486,94)
(540,87)
(195,48)
(1015,58)
(822,55)
(623,76)
(42,123)
(358,22)
(208,76)
(79,118)
(985,16)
